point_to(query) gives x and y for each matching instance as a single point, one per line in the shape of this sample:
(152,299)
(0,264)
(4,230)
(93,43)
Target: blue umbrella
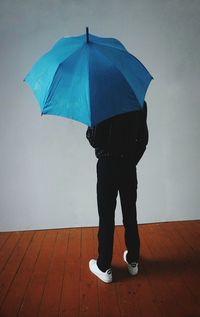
(89,79)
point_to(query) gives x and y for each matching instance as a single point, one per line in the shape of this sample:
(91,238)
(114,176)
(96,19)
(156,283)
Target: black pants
(113,175)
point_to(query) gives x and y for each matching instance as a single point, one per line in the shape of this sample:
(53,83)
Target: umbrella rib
(126,52)
(123,49)
(60,64)
(133,56)
(119,71)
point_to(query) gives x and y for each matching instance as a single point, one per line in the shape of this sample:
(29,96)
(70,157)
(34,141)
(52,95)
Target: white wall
(47,169)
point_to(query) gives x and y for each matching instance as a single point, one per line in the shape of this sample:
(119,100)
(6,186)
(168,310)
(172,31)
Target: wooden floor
(45,273)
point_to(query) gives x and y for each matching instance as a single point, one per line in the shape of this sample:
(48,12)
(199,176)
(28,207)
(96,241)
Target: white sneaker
(104,276)
(132,267)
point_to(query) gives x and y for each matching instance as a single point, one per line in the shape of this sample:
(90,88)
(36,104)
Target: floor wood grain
(45,273)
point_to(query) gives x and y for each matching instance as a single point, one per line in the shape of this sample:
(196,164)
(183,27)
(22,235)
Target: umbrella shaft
(87,34)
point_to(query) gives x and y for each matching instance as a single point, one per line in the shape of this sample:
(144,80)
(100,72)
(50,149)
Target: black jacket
(124,135)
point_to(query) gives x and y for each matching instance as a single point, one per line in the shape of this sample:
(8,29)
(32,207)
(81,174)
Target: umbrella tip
(87,34)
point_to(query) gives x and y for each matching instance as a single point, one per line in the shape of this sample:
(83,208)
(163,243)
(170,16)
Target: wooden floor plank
(31,301)
(89,304)
(187,261)
(129,287)
(136,294)
(190,234)
(108,297)
(152,263)
(104,290)
(23,275)
(180,269)
(4,237)
(8,273)
(8,248)
(70,299)
(50,303)
(167,273)
(196,227)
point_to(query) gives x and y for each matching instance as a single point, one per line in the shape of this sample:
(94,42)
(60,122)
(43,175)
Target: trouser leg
(106,201)
(128,197)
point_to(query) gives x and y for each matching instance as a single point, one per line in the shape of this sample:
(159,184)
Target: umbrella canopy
(89,79)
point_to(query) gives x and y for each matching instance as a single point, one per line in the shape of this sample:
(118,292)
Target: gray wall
(47,168)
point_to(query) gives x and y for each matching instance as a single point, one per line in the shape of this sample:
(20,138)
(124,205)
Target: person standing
(119,144)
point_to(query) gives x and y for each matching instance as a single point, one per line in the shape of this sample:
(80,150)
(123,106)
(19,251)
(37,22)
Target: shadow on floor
(175,266)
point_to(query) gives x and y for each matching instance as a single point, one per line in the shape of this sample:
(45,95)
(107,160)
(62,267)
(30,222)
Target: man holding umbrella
(119,144)
(96,81)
